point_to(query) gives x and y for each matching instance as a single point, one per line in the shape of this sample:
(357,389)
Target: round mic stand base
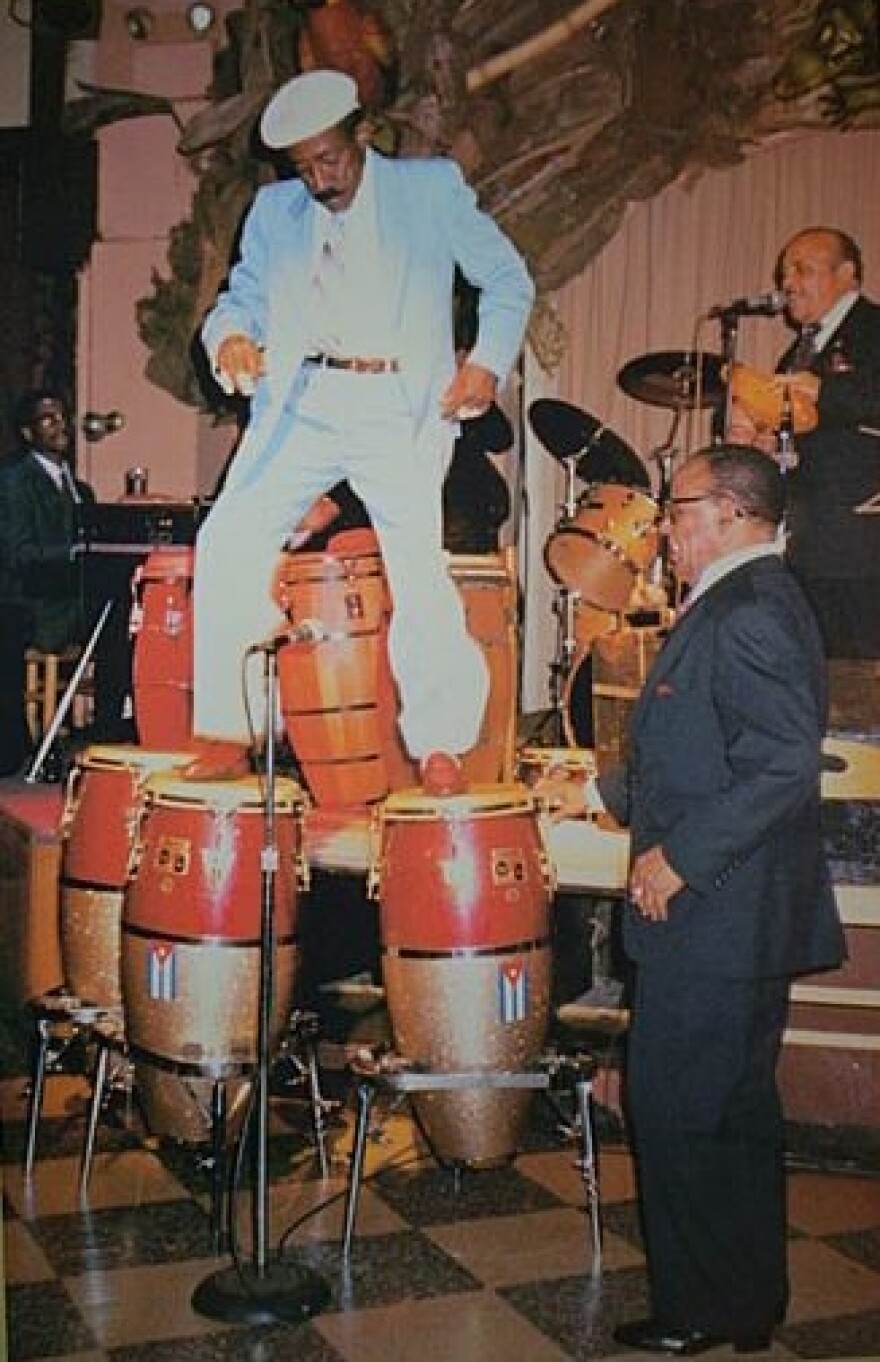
(281,1292)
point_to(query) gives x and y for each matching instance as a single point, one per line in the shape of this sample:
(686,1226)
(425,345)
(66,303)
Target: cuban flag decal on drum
(161,973)
(513,991)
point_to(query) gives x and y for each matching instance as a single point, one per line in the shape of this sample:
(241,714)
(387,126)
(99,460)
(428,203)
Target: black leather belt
(355,364)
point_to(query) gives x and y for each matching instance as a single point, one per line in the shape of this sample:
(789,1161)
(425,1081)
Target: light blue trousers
(339,425)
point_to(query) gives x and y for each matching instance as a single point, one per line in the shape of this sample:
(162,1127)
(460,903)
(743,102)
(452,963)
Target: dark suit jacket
(38,527)
(839,468)
(724,774)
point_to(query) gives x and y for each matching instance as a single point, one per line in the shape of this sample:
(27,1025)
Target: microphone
(307,631)
(95,426)
(759,305)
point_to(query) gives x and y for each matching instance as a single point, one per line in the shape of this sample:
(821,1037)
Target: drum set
(605,553)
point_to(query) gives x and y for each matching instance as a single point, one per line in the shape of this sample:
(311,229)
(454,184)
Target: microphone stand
(283,1291)
(67,698)
(729,343)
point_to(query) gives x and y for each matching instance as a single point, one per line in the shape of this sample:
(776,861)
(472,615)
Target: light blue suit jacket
(428,222)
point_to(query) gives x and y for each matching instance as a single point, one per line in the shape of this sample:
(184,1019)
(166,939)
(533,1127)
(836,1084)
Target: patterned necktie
(805,350)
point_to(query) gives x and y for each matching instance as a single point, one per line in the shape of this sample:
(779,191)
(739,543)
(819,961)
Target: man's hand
(560,796)
(652,883)
(238,365)
(470,393)
(801,384)
(745,430)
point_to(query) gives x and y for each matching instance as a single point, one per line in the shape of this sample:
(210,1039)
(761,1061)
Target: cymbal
(669,378)
(569,433)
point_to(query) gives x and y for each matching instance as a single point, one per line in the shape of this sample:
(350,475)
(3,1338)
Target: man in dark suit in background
(41,594)
(46,598)
(833,546)
(728,899)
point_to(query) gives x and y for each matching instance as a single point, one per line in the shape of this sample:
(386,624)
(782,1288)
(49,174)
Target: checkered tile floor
(496,1265)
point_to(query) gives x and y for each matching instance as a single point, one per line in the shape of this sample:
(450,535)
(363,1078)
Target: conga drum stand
(283,1291)
(390,1074)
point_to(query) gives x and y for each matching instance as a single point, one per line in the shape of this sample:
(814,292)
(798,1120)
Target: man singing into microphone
(834,364)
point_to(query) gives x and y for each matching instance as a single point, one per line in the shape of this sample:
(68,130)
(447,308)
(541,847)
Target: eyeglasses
(670,509)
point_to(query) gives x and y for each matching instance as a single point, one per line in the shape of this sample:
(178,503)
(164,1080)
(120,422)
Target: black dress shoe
(652,1337)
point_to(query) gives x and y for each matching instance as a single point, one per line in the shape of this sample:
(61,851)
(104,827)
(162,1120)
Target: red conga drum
(162,626)
(103,804)
(464,907)
(486,583)
(329,687)
(191,929)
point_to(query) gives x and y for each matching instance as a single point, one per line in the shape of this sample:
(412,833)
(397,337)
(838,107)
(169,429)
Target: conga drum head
(247,794)
(600,551)
(480,801)
(534,763)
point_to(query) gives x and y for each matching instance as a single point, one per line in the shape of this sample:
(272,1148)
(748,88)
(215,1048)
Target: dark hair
(749,478)
(27,406)
(350,123)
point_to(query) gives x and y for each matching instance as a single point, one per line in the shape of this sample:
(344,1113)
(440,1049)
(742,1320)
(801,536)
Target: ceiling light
(200,18)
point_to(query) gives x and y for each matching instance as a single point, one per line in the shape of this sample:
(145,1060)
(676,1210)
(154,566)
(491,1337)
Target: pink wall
(144,188)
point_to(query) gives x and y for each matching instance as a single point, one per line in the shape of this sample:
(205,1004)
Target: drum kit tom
(605,552)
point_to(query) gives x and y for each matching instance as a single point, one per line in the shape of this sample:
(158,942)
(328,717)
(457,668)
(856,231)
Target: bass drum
(577,702)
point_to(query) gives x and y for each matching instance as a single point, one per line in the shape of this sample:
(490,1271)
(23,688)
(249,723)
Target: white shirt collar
(356,212)
(59,473)
(834,316)
(729,563)
(50,466)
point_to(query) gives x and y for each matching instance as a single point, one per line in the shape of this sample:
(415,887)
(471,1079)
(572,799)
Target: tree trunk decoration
(560,114)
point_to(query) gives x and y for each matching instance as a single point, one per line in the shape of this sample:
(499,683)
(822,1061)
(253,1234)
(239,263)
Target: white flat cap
(307,105)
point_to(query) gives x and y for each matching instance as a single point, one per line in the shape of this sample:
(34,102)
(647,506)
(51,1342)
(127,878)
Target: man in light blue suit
(337,322)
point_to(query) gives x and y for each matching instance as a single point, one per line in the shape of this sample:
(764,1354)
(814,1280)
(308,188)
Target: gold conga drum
(103,804)
(191,941)
(464,908)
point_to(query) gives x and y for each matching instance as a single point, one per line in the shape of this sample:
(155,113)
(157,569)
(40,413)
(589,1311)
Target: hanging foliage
(560,114)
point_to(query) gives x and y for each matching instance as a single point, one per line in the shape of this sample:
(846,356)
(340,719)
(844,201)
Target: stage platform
(830,1071)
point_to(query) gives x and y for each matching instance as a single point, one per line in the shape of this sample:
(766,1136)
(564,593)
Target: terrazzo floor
(494,1264)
